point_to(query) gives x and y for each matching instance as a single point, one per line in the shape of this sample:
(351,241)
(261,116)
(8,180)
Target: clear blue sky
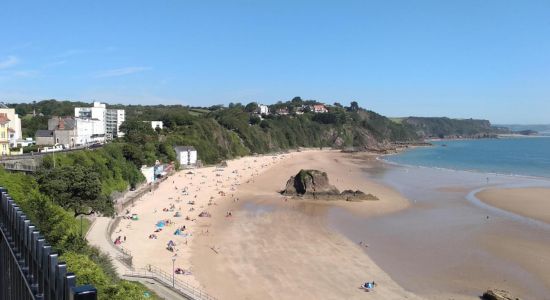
(481,59)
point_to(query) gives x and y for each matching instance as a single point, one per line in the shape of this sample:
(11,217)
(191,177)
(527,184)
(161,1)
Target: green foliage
(58,225)
(137,132)
(354,106)
(251,107)
(113,169)
(30,125)
(62,231)
(74,187)
(88,272)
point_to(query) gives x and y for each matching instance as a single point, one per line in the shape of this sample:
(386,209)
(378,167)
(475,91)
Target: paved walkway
(97,236)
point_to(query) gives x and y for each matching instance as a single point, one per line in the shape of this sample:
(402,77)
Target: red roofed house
(319,108)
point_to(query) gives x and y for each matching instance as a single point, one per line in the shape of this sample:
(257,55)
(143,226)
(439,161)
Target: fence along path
(186,290)
(29,269)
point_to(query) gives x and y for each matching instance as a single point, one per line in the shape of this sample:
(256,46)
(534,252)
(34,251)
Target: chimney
(61,125)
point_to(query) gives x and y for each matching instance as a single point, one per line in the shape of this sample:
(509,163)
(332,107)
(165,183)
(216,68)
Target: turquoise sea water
(511,156)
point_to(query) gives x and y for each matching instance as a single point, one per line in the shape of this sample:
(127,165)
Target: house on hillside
(14,125)
(157,124)
(282,111)
(64,130)
(263,109)
(186,155)
(44,137)
(4,135)
(318,108)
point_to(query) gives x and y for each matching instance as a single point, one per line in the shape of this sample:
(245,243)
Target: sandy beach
(176,205)
(528,202)
(275,247)
(287,255)
(286,251)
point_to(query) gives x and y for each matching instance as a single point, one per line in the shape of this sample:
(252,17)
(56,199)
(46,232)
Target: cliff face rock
(309,182)
(315,184)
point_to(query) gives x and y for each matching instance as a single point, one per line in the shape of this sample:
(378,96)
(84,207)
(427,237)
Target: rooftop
(185,148)
(44,133)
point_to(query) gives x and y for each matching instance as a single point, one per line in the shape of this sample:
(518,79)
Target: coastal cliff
(446,128)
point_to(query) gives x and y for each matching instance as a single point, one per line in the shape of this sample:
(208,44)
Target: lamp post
(53,153)
(173,271)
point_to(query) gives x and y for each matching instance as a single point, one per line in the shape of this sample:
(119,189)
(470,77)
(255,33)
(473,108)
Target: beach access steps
(183,288)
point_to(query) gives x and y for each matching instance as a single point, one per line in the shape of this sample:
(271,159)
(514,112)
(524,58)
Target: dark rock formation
(350,195)
(311,182)
(496,294)
(315,184)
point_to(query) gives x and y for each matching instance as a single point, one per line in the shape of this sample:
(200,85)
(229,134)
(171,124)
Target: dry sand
(528,202)
(289,254)
(206,187)
(272,248)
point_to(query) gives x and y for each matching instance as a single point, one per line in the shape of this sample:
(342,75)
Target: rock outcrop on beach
(315,184)
(497,294)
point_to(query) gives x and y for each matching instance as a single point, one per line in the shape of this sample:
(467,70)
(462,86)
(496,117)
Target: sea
(529,156)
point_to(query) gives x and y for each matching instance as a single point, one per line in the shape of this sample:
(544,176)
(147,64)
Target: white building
(113,119)
(155,124)
(26,142)
(186,155)
(14,124)
(97,123)
(148,173)
(90,124)
(97,111)
(89,131)
(263,109)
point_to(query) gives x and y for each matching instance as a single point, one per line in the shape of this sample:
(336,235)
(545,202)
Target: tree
(354,106)
(74,188)
(251,107)
(134,154)
(337,104)
(297,101)
(137,132)
(254,120)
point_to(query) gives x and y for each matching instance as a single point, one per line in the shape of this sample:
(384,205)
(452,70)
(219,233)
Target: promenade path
(97,236)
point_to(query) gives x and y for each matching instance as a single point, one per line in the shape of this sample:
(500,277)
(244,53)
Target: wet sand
(448,246)
(528,202)
(276,249)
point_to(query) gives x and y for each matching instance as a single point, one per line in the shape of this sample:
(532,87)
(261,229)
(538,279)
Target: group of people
(369,286)
(118,240)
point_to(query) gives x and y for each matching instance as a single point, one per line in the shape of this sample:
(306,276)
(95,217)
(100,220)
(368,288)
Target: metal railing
(124,255)
(29,269)
(168,280)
